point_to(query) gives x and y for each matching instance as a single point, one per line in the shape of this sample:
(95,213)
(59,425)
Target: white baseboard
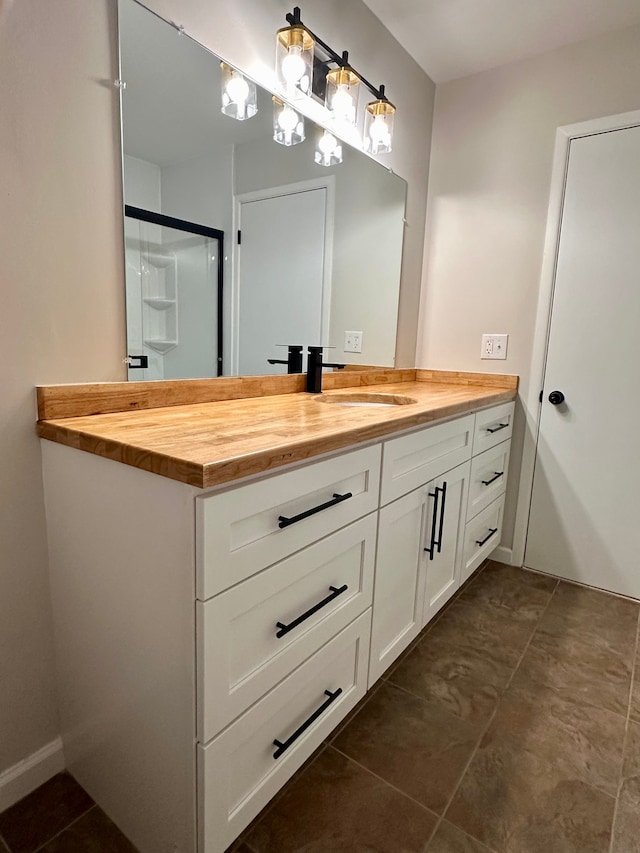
(503,555)
(25,776)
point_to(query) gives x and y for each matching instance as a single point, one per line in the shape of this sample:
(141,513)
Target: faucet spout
(314,369)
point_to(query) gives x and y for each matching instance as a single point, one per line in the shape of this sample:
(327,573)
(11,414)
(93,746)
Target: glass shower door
(174,297)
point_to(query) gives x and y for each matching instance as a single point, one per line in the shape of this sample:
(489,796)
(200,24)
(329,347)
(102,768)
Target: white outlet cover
(353,341)
(494,346)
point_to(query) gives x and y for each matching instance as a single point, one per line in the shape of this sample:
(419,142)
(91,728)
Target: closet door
(584,511)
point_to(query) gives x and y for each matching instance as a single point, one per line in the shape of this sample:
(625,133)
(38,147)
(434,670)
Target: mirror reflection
(237,246)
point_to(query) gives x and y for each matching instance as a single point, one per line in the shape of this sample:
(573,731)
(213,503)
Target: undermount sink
(364,398)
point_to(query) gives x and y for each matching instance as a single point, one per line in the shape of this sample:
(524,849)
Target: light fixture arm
(341,60)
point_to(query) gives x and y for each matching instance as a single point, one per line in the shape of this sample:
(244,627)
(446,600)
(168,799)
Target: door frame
(326,182)
(533,406)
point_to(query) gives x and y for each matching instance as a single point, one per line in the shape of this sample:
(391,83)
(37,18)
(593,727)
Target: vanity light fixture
(288,125)
(239,96)
(328,149)
(378,125)
(298,52)
(294,58)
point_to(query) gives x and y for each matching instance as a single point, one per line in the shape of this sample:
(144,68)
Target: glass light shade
(378,126)
(328,150)
(294,61)
(288,125)
(239,96)
(341,98)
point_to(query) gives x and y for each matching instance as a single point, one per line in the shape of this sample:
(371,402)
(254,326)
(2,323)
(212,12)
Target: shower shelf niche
(159,303)
(161,346)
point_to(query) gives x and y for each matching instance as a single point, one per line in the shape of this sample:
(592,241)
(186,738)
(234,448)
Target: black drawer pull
(282,747)
(438,542)
(335,592)
(481,542)
(493,479)
(498,428)
(285,522)
(432,547)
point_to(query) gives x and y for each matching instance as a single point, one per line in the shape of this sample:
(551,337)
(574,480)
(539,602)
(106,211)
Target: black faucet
(293,361)
(314,369)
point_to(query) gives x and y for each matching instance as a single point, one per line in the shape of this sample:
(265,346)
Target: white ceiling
(454,38)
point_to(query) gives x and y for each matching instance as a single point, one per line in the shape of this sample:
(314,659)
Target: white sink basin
(366,399)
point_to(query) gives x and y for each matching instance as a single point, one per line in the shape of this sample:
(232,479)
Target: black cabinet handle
(335,592)
(481,542)
(283,521)
(431,549)
(284,745)
(493,479)
(438,543)
(498,428)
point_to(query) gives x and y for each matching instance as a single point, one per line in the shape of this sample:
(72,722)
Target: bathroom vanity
(230,576)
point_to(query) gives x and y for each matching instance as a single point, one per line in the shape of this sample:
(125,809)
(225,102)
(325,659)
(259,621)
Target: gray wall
(492,154)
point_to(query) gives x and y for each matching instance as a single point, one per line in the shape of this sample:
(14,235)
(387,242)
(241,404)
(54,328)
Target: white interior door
(281,279)
(584,511)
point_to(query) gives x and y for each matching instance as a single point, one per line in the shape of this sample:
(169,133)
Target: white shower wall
(185,191)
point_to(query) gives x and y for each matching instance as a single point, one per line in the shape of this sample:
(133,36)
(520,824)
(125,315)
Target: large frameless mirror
(234,244)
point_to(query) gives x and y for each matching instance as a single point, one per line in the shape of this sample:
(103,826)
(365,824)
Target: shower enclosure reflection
(174,291)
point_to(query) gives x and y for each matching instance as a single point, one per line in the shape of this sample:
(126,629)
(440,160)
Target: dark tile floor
(511,725)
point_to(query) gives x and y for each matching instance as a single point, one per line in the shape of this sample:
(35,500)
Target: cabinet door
(445,535)
(399,582)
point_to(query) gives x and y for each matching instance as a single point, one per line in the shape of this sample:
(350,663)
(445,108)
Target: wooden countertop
(205,444)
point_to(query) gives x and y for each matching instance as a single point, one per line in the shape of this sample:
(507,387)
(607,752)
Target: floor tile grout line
(464,832)
(242,837)
(68,826)
(385,781)
(634,669)
(491,719)
(530,640)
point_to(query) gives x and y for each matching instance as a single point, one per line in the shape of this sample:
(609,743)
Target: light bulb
(238,89)
(293,66)
(288,119)
(379,131)
(342,104)
(327,144)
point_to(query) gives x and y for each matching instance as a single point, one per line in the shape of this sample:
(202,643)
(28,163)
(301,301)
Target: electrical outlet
(494,346)
(353,341)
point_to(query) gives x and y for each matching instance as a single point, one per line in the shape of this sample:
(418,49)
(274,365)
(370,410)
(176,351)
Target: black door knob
(556,397)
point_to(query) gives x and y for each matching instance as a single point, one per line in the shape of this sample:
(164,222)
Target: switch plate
(353,341)
(494,346)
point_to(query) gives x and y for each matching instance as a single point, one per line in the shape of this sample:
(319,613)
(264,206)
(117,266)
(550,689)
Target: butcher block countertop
(205,433)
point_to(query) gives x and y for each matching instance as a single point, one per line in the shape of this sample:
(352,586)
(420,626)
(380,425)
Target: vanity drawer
(239,532)
(238,772)
(481,535)
(488,477)
(493,426)
(241,656)
(412,460)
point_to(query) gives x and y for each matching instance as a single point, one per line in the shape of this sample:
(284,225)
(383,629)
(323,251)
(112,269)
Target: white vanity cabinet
(417,564)
(208,641)
(433,537)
